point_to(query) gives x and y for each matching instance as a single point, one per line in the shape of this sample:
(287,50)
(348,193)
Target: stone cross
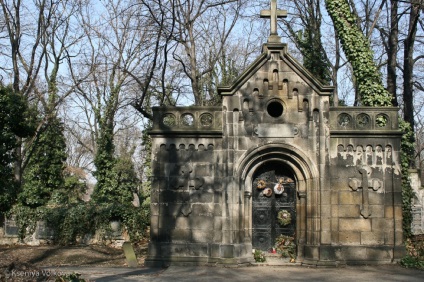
(185,179)
(273,14)
(365,184)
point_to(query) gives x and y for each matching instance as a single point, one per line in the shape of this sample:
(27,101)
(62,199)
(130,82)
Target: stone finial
(273,14)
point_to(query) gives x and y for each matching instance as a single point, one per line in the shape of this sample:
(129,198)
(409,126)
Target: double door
(268,201)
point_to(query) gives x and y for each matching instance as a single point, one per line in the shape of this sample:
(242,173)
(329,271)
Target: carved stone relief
(368,155)
(365,183)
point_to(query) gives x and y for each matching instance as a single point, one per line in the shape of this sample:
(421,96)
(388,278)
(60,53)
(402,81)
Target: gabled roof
(294,65)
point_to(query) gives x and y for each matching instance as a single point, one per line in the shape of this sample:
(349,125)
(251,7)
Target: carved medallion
(363,120)
(169,120)
(206,120)
(344,119)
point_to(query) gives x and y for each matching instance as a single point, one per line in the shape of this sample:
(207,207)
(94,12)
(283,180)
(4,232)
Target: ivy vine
(406,155)
(371,90)
(69,223)
(17,118)
(359,53)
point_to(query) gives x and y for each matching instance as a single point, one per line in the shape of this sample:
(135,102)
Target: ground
(27,258)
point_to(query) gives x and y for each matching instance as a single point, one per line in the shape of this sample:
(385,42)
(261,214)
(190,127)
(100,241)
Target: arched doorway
(273,195)
(306,181)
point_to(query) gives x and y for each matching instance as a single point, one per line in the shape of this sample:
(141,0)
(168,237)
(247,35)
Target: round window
(275,109)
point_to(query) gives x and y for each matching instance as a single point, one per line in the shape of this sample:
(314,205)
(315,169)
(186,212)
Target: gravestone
(10,227)
(43,231)
(216,171)
(417,225)
(130,254)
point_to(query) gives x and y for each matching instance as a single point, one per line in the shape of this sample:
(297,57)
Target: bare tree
(38,44)
(200,30)
(110,73)
(392,50)
(320,50)
(155,84)
(409,61)
(25,65)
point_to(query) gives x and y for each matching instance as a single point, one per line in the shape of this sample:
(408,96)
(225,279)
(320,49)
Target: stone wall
(344,163)
(365,196)
(44,235)
(188,196)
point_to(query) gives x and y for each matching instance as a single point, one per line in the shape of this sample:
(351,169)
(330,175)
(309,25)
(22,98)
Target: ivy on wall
(69,223)
(406,154)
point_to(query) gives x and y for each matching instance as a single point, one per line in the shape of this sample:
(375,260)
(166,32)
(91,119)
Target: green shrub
(415,256)
(73,221)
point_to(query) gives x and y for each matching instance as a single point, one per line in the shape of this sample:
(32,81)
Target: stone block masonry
(223,175)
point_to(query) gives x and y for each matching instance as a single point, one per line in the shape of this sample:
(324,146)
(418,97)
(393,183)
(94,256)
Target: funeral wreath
(284,217)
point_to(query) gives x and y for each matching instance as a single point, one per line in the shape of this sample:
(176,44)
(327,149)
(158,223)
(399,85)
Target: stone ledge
(364,120)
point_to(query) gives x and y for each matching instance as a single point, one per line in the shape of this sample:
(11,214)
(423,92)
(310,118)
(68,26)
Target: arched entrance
(299,167)
(273,195)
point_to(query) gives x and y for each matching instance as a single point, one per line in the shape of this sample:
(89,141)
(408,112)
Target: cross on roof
(273,14)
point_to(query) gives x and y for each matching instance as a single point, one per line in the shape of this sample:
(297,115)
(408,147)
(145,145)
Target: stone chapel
(222,174)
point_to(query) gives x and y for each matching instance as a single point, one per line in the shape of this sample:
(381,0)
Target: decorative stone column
(247,216)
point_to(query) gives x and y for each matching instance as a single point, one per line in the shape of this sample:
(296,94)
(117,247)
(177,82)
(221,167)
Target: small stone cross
(365,184)
(185,179)
(273,14)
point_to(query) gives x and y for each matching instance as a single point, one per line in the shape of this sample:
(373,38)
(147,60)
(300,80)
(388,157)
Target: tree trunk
(408,65)
(392,52)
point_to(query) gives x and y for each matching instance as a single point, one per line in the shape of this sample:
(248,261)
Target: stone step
(273,259)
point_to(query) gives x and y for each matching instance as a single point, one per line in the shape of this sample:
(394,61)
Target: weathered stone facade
(343,162)
(275,148)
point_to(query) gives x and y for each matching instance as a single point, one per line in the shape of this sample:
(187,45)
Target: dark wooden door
(265,206)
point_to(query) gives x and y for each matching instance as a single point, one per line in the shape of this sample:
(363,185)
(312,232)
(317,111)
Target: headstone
(10,227)
(130,254)
(417,202)
(417,219)
(116,231)
(43,231)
